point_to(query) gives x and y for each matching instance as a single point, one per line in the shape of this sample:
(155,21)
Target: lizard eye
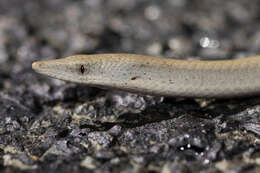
(82,69)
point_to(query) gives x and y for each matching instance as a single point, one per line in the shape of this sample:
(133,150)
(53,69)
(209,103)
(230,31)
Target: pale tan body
(159,76)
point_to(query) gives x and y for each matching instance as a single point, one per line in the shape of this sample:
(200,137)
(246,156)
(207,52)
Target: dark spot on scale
(82,69)
(135,77)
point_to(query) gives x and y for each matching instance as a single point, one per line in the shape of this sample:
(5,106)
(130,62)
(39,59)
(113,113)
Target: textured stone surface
(47,125)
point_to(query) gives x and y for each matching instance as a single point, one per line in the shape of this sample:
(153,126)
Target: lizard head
(79,68)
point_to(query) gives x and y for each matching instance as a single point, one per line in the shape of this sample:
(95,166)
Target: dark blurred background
(36,131)
(35,29)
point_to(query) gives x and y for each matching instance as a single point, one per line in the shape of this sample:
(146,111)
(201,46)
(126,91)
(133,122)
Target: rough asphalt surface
(47,125)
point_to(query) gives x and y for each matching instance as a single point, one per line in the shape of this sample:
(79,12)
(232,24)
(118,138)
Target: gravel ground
(47,125)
